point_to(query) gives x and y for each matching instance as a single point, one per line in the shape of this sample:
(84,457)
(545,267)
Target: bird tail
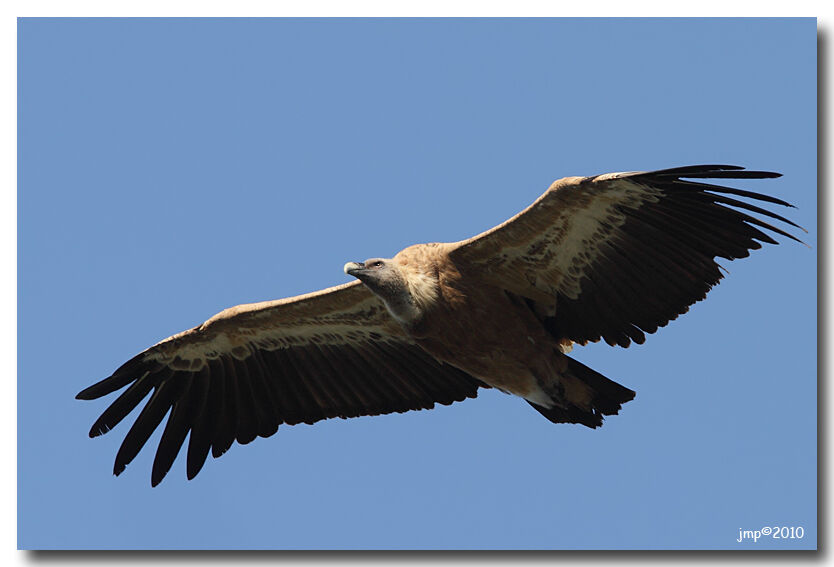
(585,396)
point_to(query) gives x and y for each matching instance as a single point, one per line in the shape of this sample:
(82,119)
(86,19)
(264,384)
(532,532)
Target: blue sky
(171,168)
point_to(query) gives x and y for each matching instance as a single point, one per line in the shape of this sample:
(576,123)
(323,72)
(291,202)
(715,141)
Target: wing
(250,368)
(618,255)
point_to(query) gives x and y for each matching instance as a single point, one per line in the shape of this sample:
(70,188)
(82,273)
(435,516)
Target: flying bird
(609,257)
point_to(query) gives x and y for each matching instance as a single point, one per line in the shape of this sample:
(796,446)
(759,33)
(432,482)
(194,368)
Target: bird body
(477,327)
(611,257)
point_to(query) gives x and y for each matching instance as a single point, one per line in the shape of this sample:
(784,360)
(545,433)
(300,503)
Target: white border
(256,8)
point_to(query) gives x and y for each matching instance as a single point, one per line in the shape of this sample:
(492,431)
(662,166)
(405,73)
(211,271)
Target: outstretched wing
(250,368)
(618,255)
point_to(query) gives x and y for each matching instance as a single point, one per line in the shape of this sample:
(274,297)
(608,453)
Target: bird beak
(351,268)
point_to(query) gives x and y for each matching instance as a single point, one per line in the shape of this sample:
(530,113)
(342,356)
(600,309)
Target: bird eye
(376,264)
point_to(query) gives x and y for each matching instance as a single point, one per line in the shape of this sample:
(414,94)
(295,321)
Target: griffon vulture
(610,257)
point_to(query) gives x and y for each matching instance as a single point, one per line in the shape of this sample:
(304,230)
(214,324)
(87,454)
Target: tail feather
(607,398)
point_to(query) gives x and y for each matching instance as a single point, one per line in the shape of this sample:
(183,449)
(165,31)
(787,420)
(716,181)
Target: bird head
(376,273)
(385,278)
